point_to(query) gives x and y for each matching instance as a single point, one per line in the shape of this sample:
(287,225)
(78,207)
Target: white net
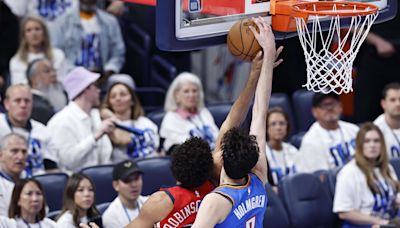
(331,70)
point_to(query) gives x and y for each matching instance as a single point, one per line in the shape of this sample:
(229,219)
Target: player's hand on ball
(265,36)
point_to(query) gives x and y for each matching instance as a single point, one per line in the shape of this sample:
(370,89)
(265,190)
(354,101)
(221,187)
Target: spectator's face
(187,97)
(277,127)
(130,188)
(46,74)
(31,199)
(19,105)
(120,99)
(13,156)
(88,6)
(84,195)
(93,95)
(391,103)
(328,111)
(372,145)
(33,33)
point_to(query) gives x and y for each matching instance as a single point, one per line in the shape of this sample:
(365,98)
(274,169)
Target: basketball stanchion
(326,71)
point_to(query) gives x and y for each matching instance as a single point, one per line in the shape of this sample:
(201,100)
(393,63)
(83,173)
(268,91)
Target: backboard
(192,24)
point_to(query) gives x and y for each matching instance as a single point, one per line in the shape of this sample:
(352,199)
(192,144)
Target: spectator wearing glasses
(128,182)
(281,156)
(329,142)
(78,129)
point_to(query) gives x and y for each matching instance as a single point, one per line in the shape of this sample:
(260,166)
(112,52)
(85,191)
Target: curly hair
(240,153)
(192,162)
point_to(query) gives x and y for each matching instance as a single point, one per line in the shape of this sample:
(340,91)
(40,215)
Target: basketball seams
(249,47)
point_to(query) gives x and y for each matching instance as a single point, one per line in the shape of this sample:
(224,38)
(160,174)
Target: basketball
(241,41)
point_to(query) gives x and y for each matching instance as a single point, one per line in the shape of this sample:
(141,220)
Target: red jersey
(186,204)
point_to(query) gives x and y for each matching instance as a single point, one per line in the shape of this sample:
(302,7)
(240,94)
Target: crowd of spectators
(69,107)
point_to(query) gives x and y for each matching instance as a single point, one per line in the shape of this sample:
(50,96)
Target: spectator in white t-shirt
(389,121)
(186,115)
(92,38)
(122,102)
(42,151)
(128,182)
(329,142)
(13,155)
(367,187)
(79,203)
(28,205)
(34,44)
(281,156)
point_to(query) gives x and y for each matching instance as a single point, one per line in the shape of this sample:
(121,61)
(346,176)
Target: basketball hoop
(327,71)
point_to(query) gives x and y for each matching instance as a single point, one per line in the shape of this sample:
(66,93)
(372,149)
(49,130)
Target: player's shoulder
(160,199)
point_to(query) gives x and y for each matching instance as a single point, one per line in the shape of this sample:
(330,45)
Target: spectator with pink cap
(78,130)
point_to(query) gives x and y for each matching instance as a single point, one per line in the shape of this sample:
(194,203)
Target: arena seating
(307,201)
(157,173)
(53,185)
(151,98)
(102,178)
(275,215)
(219,112)
(302,104)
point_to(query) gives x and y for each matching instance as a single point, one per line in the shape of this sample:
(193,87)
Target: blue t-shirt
(249,203)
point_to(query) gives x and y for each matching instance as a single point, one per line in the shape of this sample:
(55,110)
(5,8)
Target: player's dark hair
(192,162)
(392,85)
(240,153)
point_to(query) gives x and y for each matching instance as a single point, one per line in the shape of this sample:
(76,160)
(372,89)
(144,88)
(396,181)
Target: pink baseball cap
(78,80)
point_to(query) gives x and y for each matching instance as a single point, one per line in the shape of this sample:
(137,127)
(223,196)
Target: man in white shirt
(389,121)
(42,152)
(13,154)
(329,142)
(128,182)
(77,128)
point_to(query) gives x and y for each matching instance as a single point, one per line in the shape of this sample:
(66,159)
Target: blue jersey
(249,202)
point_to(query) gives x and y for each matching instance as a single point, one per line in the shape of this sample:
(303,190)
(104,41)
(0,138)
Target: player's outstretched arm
(240,108)
(266,39)
(156,208)
(213,210)
(237,114)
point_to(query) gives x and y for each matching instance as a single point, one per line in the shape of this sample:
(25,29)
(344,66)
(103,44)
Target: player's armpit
(157,207)
(213,210)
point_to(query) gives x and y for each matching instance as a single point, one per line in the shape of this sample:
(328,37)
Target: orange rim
(345,9)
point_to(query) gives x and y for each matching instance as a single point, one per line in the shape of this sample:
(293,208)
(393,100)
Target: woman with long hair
(281,156)
(34,44)
(122,102)
(79,203)
(186,115)
(28,205)
(367,187)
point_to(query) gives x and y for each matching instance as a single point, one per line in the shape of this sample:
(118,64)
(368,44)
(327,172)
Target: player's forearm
(241,106)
